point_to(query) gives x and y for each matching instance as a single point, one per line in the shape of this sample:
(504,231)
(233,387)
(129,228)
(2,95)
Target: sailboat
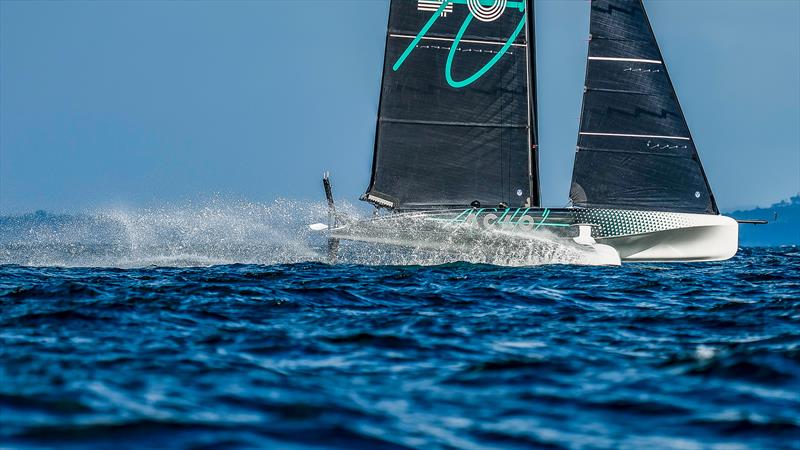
(457,138)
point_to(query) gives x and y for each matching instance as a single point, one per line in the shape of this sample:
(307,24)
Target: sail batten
(611,58)
(647,136)
(635,150)
(446,39)
(454,122)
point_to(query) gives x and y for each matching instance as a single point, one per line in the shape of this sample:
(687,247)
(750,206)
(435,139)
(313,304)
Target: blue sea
(106,343)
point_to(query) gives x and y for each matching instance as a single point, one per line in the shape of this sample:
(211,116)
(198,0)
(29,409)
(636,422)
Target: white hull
(637,236)
(706,238)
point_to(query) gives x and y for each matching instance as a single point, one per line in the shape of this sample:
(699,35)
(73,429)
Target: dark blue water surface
(453,356)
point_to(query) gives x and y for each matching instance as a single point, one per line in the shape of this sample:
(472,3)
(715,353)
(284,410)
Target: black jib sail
(456,120)
(634,148)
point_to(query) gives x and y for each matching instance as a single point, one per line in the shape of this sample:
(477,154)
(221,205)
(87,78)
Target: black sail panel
(635,150)
(454,121)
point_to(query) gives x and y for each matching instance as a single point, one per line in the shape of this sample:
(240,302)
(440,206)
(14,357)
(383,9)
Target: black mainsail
(635,150)
(457,121)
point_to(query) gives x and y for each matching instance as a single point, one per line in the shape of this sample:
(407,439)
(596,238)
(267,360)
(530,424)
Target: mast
(533,116)
(634,149)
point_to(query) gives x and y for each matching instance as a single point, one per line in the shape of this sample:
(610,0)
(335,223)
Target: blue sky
(142,103)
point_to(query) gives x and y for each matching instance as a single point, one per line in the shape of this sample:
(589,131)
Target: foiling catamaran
(457,139)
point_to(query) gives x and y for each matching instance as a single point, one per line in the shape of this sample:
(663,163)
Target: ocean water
(141,330)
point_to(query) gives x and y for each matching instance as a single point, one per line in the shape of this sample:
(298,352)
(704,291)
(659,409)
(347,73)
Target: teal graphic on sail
(483,11)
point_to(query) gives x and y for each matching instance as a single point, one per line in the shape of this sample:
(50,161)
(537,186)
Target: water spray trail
(218,232)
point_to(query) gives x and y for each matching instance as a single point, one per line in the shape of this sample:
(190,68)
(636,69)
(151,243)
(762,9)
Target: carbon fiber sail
(457,121)
(635,150)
